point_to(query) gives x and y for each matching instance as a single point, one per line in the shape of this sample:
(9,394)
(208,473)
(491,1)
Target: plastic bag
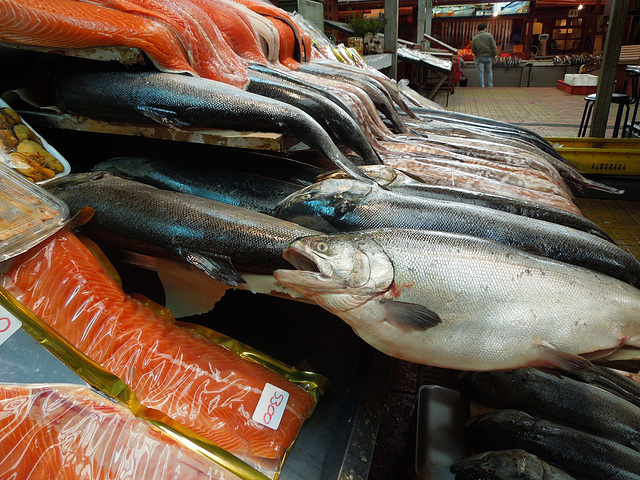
(240,405)
(70,431)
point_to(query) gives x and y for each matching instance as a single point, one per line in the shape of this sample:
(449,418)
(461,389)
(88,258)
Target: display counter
(534,73)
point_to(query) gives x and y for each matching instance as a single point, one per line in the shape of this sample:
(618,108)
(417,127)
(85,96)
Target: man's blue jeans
(485,64)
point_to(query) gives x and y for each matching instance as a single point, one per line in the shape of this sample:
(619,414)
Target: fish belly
(504,308)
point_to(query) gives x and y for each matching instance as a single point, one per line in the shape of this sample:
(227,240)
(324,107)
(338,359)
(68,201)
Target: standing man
(484,48)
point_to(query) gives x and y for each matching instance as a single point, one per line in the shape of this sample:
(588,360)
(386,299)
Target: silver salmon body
(462,302)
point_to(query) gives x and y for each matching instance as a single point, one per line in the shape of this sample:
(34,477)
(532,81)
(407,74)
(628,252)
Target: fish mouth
(303,261)
(310,274)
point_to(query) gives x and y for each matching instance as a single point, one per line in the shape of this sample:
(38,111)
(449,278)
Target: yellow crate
(595,142)
(602,156)
(603,161)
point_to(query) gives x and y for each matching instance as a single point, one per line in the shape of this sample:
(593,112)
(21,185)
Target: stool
(632,74)
(622,99)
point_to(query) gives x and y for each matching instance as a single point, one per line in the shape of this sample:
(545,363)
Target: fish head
(496,429)
(383,175)
(322,205)
(73,180)
(338,272)
(493,465)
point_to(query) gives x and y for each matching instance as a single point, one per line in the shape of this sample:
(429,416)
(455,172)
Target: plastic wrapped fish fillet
(240,405)
(72,432)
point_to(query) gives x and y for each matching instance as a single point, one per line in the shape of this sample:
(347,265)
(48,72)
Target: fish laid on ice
(401,183)
(73,24)
(73,432)
(582,455)
(346,205)
(514,464)
(557,398)
(462,302)
(180,101)
(198,383)
(218,238)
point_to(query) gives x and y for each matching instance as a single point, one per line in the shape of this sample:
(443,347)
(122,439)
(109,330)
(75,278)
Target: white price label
(271,406)
(9,324)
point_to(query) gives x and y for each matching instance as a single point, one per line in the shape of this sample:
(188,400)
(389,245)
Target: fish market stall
(256,228)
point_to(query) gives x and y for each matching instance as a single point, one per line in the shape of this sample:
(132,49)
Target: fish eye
(306,196)
(322,247)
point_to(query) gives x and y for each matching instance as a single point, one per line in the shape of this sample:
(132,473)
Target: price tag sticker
(271,406)
(9,324)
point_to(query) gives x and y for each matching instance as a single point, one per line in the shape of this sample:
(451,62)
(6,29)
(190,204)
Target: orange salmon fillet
(209,51)
(74,24)
(198,383)
(236,26)
(290,37)
(71,432)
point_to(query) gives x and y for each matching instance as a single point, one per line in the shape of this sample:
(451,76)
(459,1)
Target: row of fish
(407,302)
(551,424)
(316,100)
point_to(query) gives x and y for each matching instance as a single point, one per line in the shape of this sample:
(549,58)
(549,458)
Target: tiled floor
(548,111)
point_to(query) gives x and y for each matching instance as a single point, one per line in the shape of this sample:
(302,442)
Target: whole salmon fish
(462,302)
(181,101)
(344,205)
(400,182)
(216,237)
(506,465)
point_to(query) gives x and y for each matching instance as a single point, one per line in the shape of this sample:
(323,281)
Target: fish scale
(151,221)
(585,456)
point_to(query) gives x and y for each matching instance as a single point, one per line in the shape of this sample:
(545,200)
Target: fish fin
(410,316)
(564,360)
(218,267)
(81,218)
(163,116)
(600,354)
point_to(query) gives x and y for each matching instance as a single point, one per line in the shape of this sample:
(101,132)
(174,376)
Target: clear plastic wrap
(28,213)
(233,402)
(74,432)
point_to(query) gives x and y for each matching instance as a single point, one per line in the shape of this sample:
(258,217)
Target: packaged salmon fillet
(73,432)
(252,409)
(32,353)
